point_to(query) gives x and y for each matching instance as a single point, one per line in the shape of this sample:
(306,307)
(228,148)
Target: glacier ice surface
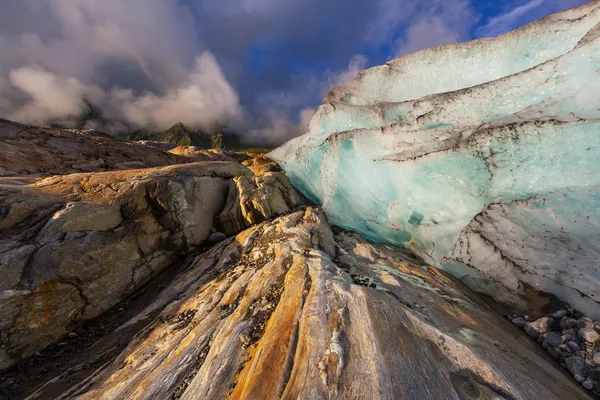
(482,157)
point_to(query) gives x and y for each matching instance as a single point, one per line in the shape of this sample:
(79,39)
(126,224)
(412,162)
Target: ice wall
(483,157)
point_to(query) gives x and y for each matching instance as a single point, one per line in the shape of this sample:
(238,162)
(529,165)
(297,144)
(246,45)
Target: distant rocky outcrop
(180,135)
(32,150)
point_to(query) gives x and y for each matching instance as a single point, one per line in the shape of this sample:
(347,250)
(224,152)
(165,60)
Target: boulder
(538,327)
(73,246)
(290,309)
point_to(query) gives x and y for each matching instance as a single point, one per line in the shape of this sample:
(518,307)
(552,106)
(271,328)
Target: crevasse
(483,157)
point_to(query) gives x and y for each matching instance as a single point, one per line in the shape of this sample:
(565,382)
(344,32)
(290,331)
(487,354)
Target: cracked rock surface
(72,246)
(278,312)
(32,150)
(481,157)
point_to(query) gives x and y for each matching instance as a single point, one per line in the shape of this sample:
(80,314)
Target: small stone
(585,322)
(564,351)
(121,309)
(579,378)
(72,335)
(589,335)
(576,365)
(596,358)
(568,323)
(594,373)
(573,346)
(589,385)
(217,237)
(542,338)
(538,327)
(553,353)
(519,321)
(554,339)
(597,326)
(545,345)
(559,314)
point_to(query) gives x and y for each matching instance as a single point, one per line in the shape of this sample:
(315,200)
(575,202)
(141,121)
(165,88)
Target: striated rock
(288,309)
(481,157)
(31,150)
(73,246)
(252,199)
(538,327)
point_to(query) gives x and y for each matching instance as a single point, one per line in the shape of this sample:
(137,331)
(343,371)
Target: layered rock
(31,150)
(481,157)
(289,309)
(73,246)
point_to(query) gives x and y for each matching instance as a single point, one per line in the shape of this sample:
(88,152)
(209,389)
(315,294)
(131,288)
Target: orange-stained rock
(289,309)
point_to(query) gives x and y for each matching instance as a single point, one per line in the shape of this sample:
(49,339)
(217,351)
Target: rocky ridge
(72,246)
(291,309)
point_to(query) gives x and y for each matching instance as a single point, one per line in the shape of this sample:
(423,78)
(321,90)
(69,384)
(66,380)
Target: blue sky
(258,65)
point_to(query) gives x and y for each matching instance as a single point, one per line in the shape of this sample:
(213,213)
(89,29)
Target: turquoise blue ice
(482,157)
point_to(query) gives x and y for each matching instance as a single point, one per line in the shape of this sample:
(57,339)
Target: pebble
(568,323)
(579,378)
(73,335)
(559,314)
(574,346)
(575,365)
(589,385)
(554,339)
(539,326)
(553,353)
(217,237)
(594,373)
(519,321)
(589,335)
(596,358)
(585,322)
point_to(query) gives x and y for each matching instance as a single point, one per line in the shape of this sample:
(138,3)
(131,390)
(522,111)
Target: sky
(260,67)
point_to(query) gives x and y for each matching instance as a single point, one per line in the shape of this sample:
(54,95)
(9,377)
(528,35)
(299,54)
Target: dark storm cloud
(257,65)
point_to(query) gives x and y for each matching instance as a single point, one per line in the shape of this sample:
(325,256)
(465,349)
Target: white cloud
(440,22)
(357,63)
(510,20)
(112,54)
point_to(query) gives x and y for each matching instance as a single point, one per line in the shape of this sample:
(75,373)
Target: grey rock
(72,335)
(579,378)
(519,321)
(554,339)
(576,366)
(538,327)
(217,237)
(589,335)
(589,385)
(594,373)
(596,358)
(585,322)
(545,345)
(568,323)
(573,346)
(558,314)
(553,353)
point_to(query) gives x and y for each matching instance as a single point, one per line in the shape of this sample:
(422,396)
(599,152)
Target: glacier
(482,157)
